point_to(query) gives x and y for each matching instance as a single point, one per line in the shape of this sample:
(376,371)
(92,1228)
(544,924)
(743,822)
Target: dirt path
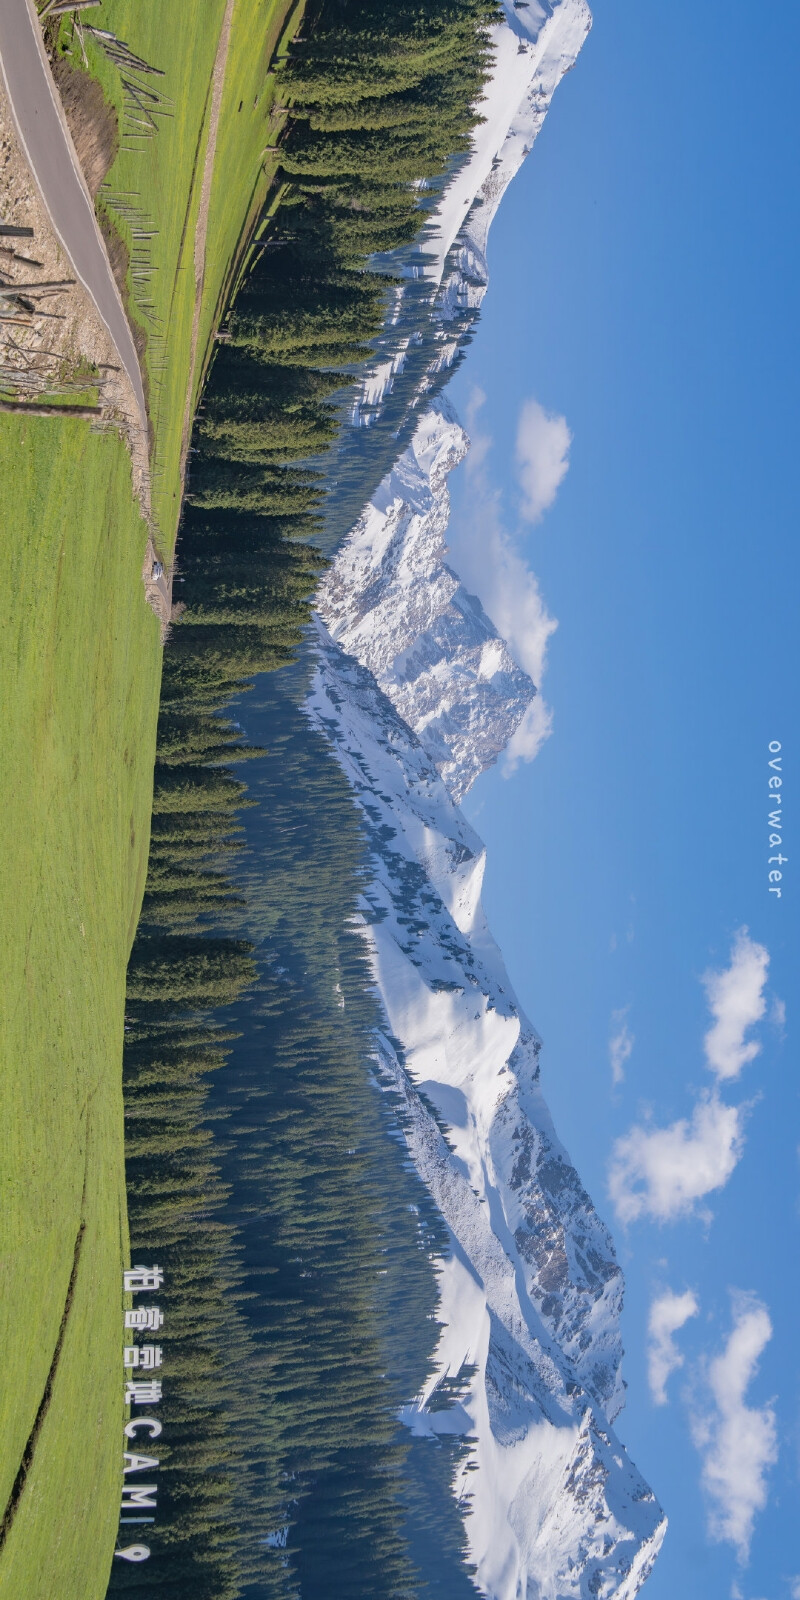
(201,232)
(158,586)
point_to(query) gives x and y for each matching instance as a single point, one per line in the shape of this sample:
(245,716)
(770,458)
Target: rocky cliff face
(391,600)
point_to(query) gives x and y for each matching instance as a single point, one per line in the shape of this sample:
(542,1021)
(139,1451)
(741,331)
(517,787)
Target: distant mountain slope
(443,277)
(531,1297)
(426,697)
(534,46)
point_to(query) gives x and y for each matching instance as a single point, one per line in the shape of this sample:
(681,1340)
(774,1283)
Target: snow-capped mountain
(531,1295)
(533,46)
(418,693)
(391,600)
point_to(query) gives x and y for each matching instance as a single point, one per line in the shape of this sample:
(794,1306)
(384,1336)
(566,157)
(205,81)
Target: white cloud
(479,443)
(543,442)
(488,560)
(514,602)
(777,1016)
(738,1443)
(527,741)
(668,1313)
(662,1173)
(796,1589)
(736,1001)
(620,1044)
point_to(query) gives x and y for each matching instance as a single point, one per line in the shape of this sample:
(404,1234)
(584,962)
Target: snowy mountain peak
(391,600)
(531,1293)
(533,47)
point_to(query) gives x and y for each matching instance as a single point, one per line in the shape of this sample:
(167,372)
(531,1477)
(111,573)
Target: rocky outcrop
(391,600)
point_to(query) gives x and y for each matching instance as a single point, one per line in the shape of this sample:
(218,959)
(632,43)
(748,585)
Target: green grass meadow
(246,149)
(162,177)
(80,667)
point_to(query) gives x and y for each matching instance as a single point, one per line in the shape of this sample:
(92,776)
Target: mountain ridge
(531,1295)
(391,600)
(418,693)
(534,46)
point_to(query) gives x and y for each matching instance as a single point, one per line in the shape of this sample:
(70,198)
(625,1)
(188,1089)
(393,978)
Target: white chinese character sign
(140,1499)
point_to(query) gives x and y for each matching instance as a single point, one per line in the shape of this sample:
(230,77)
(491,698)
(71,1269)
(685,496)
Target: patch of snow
(279,1539)
(378,382)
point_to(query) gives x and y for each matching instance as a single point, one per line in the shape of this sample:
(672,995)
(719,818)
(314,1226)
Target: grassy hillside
(160,183)
(79,677)
(80,669)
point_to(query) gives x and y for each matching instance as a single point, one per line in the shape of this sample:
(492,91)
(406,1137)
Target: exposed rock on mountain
(391,600)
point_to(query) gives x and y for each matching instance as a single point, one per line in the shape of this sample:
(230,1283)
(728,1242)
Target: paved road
(43,132)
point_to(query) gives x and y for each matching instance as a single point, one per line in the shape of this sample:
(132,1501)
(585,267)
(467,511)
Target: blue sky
(644,287)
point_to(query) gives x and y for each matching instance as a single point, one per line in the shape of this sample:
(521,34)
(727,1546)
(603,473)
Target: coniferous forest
(265,1166)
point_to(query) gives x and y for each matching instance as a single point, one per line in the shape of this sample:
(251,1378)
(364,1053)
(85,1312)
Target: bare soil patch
(91,120)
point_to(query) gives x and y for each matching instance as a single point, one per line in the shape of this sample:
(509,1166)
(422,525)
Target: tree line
(382,103)
(299,1292)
